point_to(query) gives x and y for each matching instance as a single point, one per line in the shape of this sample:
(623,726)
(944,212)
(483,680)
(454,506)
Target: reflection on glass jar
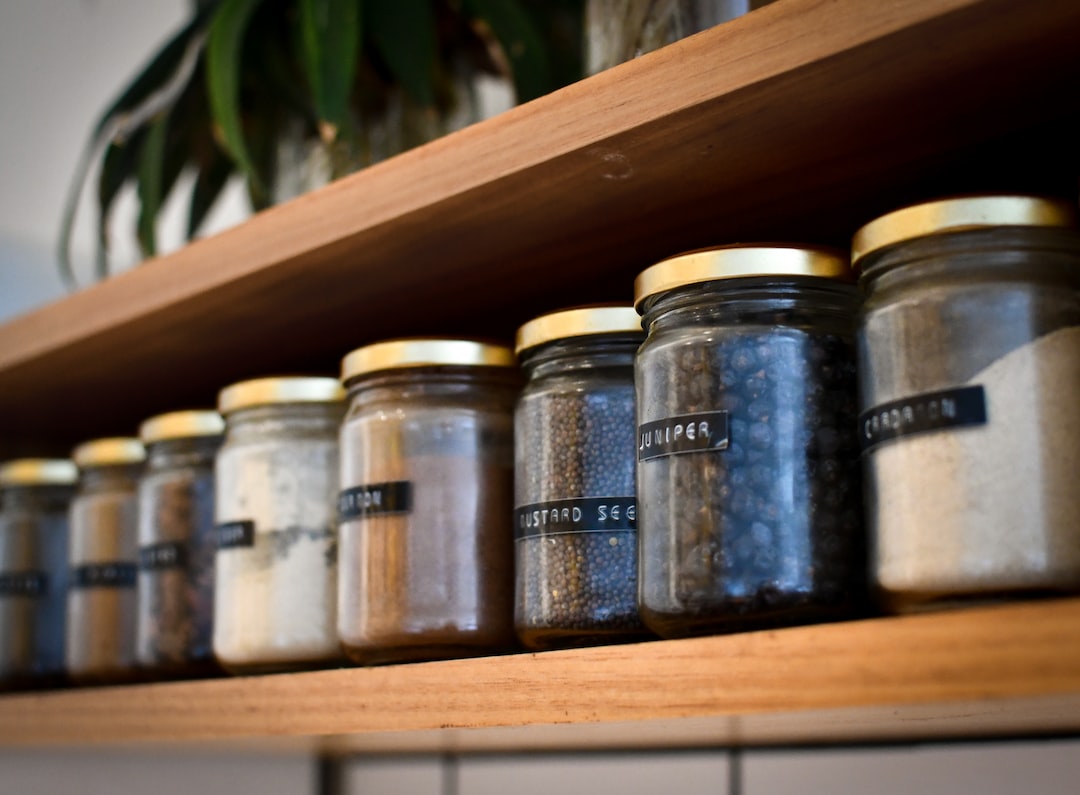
(969,354)
(34,498)
(748,483)
(426,500)
(103,555)
(276,565)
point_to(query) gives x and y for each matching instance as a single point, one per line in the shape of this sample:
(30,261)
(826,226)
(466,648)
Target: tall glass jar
(427,457)
(575,519)
(277,560)
(748,476)
(104,552)
(177,544)
(34,498)
(969,354)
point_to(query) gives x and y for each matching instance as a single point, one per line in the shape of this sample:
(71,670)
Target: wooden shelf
(1007,670)
(797,121)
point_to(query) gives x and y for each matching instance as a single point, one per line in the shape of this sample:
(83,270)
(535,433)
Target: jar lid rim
(739,261)
(38,472)
(111,451)
(279,389)
(181,425)
(582,321)
(424,352)
(958,214)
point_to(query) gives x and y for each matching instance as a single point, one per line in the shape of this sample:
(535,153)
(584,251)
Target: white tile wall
(1046,768)
(685,773)
(99,772)
(393,776)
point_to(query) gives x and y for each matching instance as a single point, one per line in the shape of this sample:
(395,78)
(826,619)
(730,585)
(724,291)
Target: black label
(583,515)
(166,555)
(931,411)
(235,534)
(115,574)
(23,583)
(375,499)
(687,433)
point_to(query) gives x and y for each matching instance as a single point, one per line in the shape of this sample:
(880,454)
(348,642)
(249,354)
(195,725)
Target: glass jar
(427,457)
(575,517)
(276,484)
(100,643)
(969,354)
(748,475)
(177,544)
(34,498)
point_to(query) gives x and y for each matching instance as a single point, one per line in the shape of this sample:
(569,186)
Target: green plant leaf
(330,30)
(223,53)
(151,184)
(403,34)
(209,183)
(522,43)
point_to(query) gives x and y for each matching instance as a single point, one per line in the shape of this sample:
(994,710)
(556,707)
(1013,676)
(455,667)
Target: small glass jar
(34,498)
(426,504)
(575,516)
(104,552)
(748,475)
(276,485)
(969,354)
(177,544)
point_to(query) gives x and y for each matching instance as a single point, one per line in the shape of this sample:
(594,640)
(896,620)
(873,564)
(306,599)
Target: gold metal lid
(285,389)
(408,353)
(109,452)
(957,215)
(181,425)
(585,321)
(38,472)
(738,262)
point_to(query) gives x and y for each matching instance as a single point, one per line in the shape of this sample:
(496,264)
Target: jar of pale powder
(276,565)
(969,353)
(427,459)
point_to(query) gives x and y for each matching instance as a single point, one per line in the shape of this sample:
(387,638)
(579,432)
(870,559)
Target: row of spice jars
(741,438)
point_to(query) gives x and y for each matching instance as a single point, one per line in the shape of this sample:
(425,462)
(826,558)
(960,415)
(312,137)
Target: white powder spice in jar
(276,567)
(995,507)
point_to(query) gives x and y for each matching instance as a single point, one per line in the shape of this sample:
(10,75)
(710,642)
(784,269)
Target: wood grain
(986,671)
(798,120)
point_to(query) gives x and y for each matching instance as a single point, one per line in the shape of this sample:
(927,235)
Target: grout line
(330,775)
(450,778)
(735,772)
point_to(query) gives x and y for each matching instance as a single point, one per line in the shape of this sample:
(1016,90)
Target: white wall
(61,63)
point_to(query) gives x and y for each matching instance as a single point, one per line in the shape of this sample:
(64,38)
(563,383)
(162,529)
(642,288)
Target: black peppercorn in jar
(575,521)
(34,498)
(426,506)
(275,574)
(177,543)
(100,645)
(749,509)
(969,367)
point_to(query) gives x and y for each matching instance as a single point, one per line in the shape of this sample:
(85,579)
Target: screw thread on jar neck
(581,353)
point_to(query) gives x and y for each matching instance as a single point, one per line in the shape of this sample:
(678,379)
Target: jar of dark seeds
(277,543)
(748,478)
(575,520)
(103,559)
(34,498)
(427,458)
(969,367)
(174,629)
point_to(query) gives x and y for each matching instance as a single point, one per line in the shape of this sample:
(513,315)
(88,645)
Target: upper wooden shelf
(797,121)
(1007,670)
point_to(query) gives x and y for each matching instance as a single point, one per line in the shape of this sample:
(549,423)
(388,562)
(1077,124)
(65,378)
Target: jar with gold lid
(276,483)
(426,500)
(34,497)
(177,544)
(969,354)
(103,559)
(575,513)
(748,477)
